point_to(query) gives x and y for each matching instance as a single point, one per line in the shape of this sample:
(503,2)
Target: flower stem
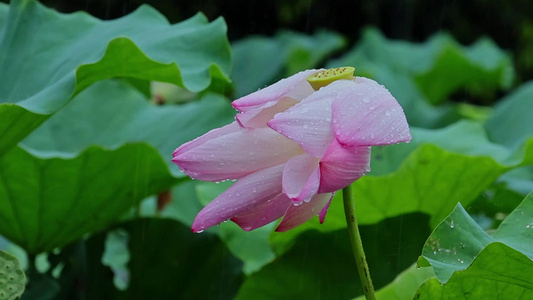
(357,244)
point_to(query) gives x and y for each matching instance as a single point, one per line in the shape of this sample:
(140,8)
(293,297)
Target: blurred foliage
(509,23)
(88,191)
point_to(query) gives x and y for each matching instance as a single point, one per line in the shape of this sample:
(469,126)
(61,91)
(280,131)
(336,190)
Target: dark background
(508,22)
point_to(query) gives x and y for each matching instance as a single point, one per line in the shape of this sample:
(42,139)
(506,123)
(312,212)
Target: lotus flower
(293,144)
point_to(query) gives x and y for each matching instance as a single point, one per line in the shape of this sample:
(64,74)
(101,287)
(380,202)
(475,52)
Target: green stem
(357,244)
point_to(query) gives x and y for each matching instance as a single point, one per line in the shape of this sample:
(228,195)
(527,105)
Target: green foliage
(192,266)
(404,285)
(46,58)
(510,124)
(49,202)
(320,265)
(258,60)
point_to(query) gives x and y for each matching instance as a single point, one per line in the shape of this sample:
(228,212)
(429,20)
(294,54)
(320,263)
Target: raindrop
(387,113)
(199,231)
(238,194)
(306,126)
(366,100)
(452,226)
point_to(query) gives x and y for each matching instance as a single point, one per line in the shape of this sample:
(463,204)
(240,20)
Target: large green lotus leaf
(498,272)
(321,265)
(404,285)
(46,58)
(510,124)
(457,240)
(259,60)
(168,261)
(49,202)
(3,13)
(111,113)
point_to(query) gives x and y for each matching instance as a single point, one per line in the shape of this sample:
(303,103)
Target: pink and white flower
(291,148)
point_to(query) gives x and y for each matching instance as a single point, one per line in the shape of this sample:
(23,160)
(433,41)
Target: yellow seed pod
(323,78)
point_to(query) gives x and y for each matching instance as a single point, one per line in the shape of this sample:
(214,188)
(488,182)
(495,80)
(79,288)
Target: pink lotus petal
(215,133)
(263,213)
(301,177)
(240,198)
(308,123)
(324,211)
(258,117)
(342,165)
(276,91)
(297,215)
(233,155)
(366,114)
